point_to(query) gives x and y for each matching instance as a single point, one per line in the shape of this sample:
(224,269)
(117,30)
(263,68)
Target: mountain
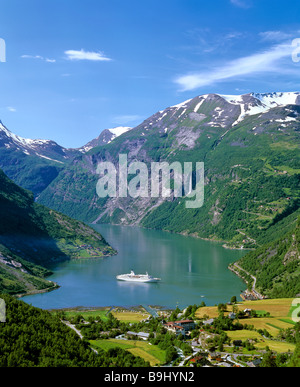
(32,164)
(250,148)
(276,265)
(105,137)
(33,236)
(45,149)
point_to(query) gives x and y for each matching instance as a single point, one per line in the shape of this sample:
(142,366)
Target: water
(191,270)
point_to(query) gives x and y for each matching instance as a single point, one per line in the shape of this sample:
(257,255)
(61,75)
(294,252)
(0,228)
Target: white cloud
(86,55)
(11,109)
(263,62)
(50,60)
(38,57)
(275,36)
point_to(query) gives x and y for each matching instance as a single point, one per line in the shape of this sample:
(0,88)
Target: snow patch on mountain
(105,137)
(277,99)
(258,103)
(118,131)
(181,105)
(25,142)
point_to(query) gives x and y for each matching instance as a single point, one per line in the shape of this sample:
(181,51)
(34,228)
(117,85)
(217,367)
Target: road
(258,295)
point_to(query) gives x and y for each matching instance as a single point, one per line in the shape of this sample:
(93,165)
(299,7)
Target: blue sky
(74,68)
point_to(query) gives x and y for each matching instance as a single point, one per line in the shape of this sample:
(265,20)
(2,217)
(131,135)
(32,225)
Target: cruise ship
(132,277)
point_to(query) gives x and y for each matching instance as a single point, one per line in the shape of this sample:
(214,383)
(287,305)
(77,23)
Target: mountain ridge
(240,155)
(33,164)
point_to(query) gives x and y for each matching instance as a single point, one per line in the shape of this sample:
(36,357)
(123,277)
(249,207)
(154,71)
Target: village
(229,336)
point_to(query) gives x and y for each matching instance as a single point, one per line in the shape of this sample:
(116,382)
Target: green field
(88,313)
(261,343)
(148,352)
(280,318)
(129,316)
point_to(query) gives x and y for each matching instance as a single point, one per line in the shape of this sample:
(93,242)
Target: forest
(31,337)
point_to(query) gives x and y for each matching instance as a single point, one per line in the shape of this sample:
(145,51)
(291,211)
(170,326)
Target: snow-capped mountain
(46,149)
(206,120)
(105,137)
(255,103)
(32,164)
(245,140)
(225,111)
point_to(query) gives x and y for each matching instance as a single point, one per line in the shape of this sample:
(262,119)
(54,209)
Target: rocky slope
(105,137)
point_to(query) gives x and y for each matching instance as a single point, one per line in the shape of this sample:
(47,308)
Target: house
(139,335)
(197,359)
(232,316)
(175,328)
(214,356)
(208,322)
(187,325)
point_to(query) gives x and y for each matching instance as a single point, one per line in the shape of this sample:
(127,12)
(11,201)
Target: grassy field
(280,318)
(262,342)
(130,316)
(148,352)
(278,308)
(87,313)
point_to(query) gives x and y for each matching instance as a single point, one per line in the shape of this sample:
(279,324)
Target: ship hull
(140,280)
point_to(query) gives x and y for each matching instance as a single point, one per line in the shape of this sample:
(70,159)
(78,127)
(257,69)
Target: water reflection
(189,268)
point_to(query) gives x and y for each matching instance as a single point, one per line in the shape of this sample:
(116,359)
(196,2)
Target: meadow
(145,350)
(273,315)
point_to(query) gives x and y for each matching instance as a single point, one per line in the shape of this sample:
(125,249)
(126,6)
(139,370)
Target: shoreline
(115,252)
(41,291)
(183,233)
(55,285)
(131,308)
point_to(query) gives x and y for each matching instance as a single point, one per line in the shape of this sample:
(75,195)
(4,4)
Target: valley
(249,145)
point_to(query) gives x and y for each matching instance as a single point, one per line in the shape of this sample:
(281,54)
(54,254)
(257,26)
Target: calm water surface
(191,270)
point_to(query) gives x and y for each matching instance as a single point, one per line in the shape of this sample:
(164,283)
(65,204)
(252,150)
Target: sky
(76,67)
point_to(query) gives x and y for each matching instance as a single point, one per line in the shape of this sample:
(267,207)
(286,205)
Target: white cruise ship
(132,277)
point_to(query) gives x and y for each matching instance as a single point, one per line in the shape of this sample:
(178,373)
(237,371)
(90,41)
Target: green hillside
(252,175)
(31,337)
(29,171)
(33,236)
(276,265)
